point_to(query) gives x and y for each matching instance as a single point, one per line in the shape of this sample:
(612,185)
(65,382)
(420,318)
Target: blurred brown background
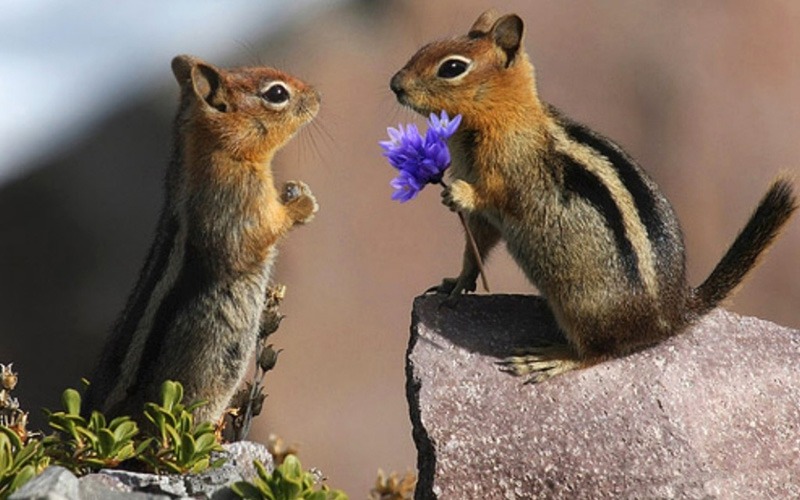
(705,94)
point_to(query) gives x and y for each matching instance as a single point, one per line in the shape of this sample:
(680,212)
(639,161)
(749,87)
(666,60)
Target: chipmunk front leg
(486,237)
(300,203)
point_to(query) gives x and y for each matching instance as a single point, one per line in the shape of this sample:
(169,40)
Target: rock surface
(57,483)
(711,413)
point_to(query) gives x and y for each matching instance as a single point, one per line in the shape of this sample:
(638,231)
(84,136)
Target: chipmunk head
(247,112)
(478,74)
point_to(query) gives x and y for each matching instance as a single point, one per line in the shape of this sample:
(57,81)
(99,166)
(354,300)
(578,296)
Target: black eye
(451,68)
(277,93)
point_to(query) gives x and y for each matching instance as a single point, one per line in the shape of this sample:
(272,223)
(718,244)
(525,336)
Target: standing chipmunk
(589,228)
(195,312)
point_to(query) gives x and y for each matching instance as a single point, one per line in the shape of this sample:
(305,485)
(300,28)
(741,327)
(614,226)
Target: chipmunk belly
(211,342)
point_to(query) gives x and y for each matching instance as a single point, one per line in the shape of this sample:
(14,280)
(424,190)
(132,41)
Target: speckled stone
(712,413)
(57,483)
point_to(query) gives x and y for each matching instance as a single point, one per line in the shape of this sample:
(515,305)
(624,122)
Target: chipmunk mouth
(309,106)
(402,95)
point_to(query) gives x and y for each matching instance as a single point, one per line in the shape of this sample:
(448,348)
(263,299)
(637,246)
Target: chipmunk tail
(764,225)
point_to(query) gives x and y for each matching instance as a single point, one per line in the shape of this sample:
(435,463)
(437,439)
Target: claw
(436,289)
(542,362)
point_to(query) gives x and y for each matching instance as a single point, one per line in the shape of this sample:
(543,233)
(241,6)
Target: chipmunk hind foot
(542,362)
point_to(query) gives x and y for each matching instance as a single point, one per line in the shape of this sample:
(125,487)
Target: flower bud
(267,358)
(8,379)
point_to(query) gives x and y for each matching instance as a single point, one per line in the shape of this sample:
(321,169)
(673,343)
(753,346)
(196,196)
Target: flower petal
(419,160)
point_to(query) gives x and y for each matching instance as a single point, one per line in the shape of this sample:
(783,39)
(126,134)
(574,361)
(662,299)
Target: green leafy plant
(178,446)
(19,462)
(174,444)
(287,482)
(83,445)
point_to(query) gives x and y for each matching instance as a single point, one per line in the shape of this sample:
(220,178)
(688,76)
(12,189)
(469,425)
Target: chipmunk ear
(507,34)
(483,24)
(202,79)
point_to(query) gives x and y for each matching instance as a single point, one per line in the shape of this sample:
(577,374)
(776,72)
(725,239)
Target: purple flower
(419,160)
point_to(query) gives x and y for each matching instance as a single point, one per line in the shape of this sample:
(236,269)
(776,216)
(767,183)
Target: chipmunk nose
(397,86)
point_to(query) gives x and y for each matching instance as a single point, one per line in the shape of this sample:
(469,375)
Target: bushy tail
(764,225)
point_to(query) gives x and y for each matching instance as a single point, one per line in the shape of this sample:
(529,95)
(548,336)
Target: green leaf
(119,421)
(144,445)
(124,452)
(204,428)
(6,454)
(169,418)
(172,467)
(124,429)
(96,421)
(261,470)
(23,476)
(291,468)
(28,452)
(171,394)
(72,401)
(205,443)
(173,434)
(186,451)
(248,491)
(185,422)
(11,436)
(199,466)
(86,433)
(287,490)
(106,443)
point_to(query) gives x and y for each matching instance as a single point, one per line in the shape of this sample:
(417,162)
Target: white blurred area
(48,49)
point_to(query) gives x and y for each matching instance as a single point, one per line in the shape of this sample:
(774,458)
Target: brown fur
(590,229)
(195,318)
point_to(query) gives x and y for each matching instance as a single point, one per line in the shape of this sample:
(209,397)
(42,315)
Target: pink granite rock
(712,413)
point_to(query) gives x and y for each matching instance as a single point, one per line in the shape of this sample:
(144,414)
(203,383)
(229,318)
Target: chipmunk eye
(452,68)
(277,93)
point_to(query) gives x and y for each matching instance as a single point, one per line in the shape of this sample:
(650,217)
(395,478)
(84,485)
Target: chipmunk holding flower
(587,225)
(195,313)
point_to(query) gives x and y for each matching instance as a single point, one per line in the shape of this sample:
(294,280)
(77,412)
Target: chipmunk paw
(459,196)
(541,362)
(299,201)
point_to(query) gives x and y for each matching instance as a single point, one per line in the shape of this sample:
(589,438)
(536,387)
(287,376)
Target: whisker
(310,144)
(319,125)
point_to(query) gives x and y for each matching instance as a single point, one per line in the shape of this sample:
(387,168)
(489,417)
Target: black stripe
(193,279)
(583,183)
(107,373)
(233,361)
(154,269)
(631,176)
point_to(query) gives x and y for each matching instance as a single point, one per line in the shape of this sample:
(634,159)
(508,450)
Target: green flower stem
(473,246)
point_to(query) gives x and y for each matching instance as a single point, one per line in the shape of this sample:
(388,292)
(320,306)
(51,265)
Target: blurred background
(705,94)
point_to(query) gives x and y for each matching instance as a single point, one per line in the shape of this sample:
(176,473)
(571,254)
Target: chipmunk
(195,311)
(586,224)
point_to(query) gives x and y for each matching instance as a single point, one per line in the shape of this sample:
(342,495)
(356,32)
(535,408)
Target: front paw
(299,202)
(459,196)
